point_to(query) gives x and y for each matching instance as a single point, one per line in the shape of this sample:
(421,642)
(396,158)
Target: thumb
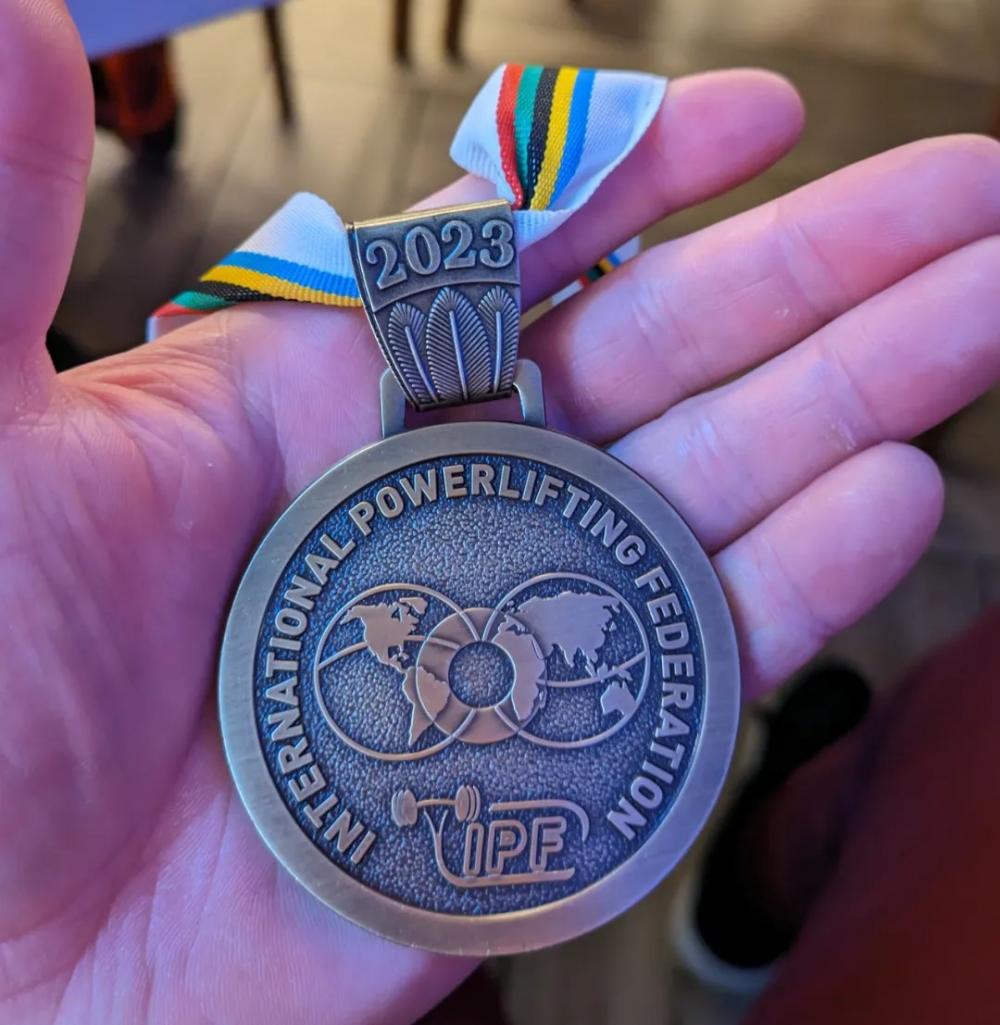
(46,137)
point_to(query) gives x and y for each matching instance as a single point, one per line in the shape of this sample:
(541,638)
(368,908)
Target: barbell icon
(467,804)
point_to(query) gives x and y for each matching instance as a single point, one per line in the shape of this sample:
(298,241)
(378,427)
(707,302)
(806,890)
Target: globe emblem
(561,661)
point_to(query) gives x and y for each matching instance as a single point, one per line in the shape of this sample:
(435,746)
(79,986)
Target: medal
(479,684)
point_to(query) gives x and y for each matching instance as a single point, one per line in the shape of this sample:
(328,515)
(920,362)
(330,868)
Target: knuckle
(795,601)
(709,459)
(814,279)
(854,418)
(37,159)
(670,343)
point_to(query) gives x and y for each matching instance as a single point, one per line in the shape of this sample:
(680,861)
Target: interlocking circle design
(532,631)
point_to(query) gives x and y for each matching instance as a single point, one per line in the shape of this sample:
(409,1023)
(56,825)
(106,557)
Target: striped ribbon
(246,276)
(541,124)
(606,266)
(545,137)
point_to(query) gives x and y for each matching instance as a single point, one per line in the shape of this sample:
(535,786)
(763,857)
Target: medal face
(479,688)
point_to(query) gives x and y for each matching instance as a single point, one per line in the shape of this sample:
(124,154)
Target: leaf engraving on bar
(458,350)
(501,318)
(405,330)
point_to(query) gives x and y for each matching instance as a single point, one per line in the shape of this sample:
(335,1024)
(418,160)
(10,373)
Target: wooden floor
(372,136)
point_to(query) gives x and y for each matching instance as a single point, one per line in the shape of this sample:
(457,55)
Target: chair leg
(279,62)
(401,31)
(453,28)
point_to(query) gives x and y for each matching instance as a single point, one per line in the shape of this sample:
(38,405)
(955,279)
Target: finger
(695,311)
(889,369)
(46,130)
(825,557)
(714,131)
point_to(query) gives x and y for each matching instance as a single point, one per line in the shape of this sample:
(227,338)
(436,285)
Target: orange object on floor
(136,99)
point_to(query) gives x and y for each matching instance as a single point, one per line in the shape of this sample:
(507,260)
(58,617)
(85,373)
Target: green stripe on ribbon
(524,113)
(200,302)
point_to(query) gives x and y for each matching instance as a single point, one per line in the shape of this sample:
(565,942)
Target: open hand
(762,373)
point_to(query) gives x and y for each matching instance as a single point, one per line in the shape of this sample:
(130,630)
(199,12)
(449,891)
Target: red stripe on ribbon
(506,103)
(171,309)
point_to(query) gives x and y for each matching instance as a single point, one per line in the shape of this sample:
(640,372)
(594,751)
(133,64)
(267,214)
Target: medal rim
(512,931)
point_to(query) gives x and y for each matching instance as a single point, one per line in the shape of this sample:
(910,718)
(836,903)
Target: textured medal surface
(476,670)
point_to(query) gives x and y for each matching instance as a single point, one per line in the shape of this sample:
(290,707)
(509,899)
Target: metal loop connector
(527,386)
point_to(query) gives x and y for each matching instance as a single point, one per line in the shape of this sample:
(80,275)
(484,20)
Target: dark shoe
(725,935)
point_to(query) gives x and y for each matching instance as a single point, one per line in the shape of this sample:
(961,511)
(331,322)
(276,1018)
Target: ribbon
(603,266)
(545,137)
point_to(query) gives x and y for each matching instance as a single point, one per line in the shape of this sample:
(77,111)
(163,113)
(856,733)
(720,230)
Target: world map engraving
(389,626)
(552,640)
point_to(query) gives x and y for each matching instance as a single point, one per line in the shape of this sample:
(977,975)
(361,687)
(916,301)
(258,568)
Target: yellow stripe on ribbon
(555,141)
(278,288)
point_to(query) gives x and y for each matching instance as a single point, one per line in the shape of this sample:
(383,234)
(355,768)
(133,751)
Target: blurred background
(215,111)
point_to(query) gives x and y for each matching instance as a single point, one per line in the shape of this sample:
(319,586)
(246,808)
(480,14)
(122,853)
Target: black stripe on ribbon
(539,129)
(232,293)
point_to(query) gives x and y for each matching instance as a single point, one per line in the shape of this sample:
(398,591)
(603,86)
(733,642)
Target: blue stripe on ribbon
(576,131)
(298,273)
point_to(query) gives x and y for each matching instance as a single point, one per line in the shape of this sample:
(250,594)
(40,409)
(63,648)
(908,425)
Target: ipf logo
(523,845)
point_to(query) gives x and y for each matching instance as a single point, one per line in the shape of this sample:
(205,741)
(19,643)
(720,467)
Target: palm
(132,886)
